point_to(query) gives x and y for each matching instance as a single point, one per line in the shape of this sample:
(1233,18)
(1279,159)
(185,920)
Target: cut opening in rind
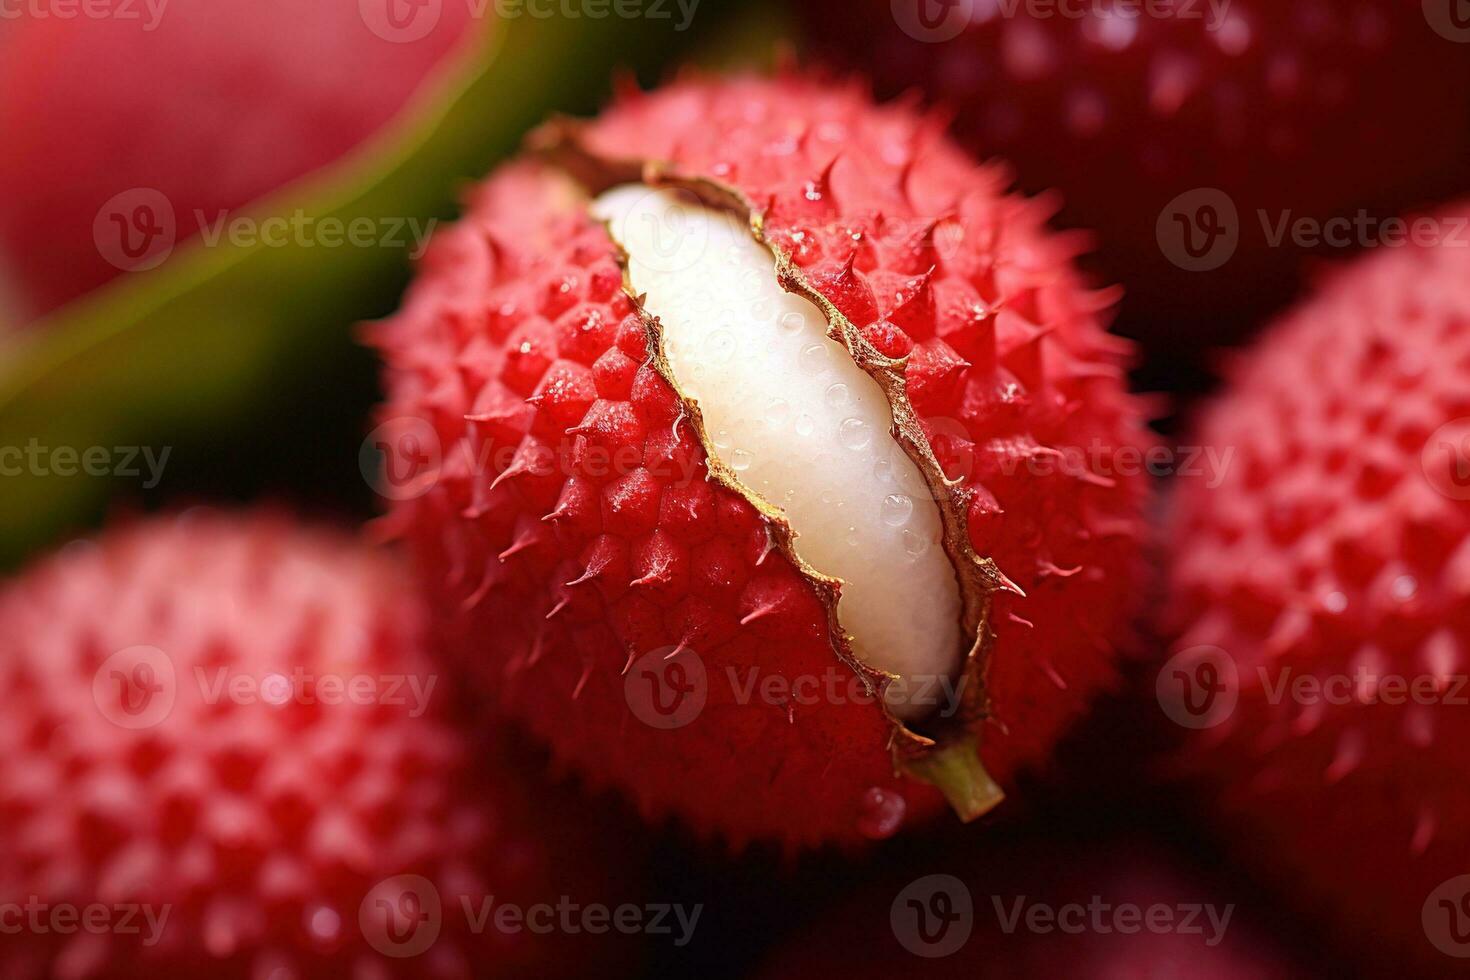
(927,751)
(801,426)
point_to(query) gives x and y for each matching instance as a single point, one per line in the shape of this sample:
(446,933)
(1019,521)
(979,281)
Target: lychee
(1306,110)
(168,115)
(225,753)
(1321,600)
(761,453)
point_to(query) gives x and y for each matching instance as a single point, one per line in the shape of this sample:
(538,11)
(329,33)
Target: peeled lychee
(225,754)
(207,105)
(1321,599)
(1311,109)
(730,430)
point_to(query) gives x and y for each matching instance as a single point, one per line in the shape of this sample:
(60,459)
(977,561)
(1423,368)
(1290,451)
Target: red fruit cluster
(1331,568)
(572,527)
(1306,109)
(182,740)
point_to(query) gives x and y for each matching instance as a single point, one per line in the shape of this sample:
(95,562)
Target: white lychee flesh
(802,427)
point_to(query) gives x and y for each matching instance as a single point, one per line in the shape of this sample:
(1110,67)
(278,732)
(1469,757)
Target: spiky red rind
(254,821)
(800,773)
(1331,547)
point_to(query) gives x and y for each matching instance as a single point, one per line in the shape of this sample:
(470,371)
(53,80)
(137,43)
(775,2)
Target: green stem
(957,772)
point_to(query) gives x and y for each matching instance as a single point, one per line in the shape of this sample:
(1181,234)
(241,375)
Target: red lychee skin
(1316,107)
(518,341)
(220,103)
(251,820)
(1338,545)
(1086,934)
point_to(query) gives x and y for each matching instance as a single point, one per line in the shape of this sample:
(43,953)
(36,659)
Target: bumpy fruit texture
(212,103)
(586,529)
(220,781)
(1040,909)
(1332,566)
(1306,109)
